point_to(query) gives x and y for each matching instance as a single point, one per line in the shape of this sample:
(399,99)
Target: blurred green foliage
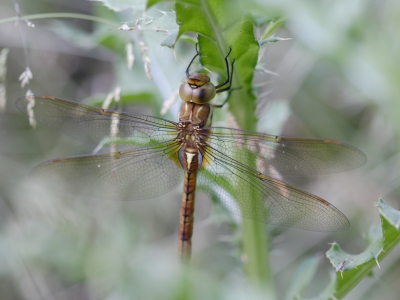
(337,78)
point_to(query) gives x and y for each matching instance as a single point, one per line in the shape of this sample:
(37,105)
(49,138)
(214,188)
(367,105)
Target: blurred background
(338,78)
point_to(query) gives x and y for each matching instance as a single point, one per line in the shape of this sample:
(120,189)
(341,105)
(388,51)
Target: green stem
(255,243)
(255,246)
(61,15)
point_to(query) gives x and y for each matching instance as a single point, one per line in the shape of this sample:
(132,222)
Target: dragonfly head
(197,88)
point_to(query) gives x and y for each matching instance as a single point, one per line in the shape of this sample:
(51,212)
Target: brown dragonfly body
(192,119)
(235,167)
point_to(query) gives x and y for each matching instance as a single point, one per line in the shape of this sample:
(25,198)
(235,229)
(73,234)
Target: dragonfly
(240,169)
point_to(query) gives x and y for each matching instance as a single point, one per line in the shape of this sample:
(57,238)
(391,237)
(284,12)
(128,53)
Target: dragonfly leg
(228,74)
(197,54)
(227,98)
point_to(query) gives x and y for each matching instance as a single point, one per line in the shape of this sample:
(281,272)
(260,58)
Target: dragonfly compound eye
(185,91)
(198,94)
(204,94)
(197,88)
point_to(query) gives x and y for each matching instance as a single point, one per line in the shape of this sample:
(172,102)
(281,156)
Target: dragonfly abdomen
(191,162)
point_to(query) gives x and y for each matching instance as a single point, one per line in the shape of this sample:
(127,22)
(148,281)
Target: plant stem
(255,246)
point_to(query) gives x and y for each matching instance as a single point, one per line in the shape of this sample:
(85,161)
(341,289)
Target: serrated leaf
(273,26)
(353,268)
(388,214)
(220,25)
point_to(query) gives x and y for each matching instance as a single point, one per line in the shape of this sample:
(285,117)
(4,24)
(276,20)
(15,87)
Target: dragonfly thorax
(197,88)
(189,134)
(195,115)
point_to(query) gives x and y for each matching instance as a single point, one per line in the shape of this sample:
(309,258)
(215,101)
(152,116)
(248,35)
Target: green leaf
(272,27)
(220,26)
(389,216)
(351,269)
(273,39)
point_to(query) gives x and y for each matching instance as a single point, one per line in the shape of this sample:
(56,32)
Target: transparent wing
(138,174)
(277,203)
(289,156)
(236,169)
(91,125)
